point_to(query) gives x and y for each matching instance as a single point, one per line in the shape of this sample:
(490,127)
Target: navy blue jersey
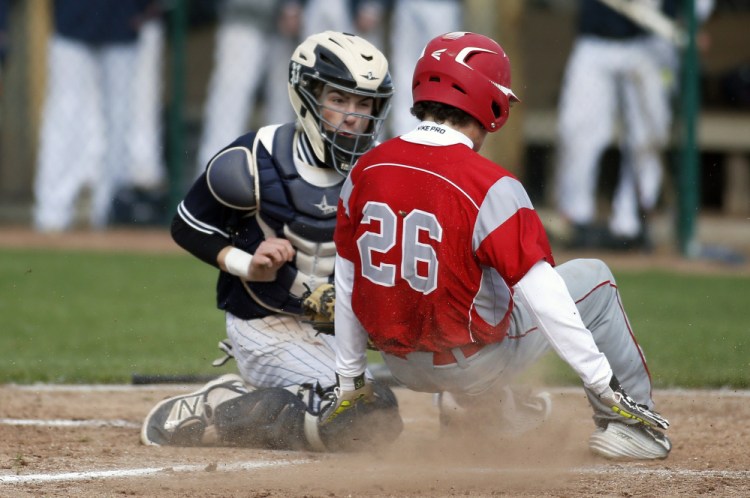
(100,21)
(595,18)
(290,207)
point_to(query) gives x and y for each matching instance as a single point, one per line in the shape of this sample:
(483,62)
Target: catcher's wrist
(237,263)
(350,383)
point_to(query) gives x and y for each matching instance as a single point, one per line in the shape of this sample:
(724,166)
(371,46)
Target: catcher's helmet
(344,62)
(468,71)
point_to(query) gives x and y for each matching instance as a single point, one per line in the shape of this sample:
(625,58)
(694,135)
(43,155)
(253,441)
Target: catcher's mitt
(361,419)
(319,304)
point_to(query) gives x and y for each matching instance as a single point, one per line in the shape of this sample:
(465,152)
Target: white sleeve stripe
(415,168)
(197,224)
(346,193)
(503,200)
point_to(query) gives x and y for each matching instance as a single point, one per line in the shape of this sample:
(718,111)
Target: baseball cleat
(526,412)
(182,420)
(512,412)
(629,441)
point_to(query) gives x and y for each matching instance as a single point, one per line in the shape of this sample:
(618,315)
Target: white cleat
(182,420)
(634,442)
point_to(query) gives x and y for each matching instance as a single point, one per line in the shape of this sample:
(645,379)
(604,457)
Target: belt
(449,357)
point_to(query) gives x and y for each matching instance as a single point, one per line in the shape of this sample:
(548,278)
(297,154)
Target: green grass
(694,329)
(92,317)
(73,317)
(707,325)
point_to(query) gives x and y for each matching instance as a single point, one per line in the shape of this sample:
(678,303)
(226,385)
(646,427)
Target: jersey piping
(196,223)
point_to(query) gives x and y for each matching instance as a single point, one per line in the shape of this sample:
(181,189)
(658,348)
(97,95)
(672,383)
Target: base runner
(444,265)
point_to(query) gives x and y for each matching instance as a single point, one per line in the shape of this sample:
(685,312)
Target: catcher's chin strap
(225,346)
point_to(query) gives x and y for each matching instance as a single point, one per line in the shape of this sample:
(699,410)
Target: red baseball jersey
(438,236)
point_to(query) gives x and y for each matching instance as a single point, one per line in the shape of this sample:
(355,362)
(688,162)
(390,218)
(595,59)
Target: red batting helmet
(468,71)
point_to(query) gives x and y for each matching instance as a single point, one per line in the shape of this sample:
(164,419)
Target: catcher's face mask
(340,88)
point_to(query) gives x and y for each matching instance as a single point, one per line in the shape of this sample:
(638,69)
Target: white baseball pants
(611,85)
(495,366)
(85,123)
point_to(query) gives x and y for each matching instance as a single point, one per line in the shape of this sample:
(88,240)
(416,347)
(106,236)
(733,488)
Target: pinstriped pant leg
(281,351)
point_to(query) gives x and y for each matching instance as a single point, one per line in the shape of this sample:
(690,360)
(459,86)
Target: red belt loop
(448,358)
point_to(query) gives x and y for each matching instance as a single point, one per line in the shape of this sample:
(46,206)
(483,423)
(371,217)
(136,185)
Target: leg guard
(365,426)
(266,418)
(277,418)
(183,420)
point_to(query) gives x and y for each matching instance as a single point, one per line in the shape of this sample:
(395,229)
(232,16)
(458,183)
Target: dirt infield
(83,441)
(155,240)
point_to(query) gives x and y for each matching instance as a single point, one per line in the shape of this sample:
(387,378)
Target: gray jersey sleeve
(233,180)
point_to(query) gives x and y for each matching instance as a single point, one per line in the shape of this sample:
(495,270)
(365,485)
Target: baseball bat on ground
(142,379)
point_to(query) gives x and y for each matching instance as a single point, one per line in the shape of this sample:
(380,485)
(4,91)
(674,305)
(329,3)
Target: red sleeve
(344,233)
(516,245)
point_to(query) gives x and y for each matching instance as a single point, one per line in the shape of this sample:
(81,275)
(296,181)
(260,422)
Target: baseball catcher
(264,213)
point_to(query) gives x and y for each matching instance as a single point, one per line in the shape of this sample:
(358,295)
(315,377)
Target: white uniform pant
(495,366)
(324,15)
(243,58)
(147,169)
(84,128)
(413,24)
(611,84)
(336,15)
(281,351)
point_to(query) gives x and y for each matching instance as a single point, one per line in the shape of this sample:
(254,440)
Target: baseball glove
(361,419)
(319,305)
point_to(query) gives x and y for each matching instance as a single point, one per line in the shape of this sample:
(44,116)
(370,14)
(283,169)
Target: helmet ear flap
(500,108)
(497,110)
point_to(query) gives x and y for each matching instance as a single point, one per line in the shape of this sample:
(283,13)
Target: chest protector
(292,208)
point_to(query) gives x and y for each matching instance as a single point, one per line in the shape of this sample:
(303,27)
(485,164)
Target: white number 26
(413,251)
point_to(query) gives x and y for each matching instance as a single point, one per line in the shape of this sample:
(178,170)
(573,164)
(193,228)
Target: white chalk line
(245,466)
(142,472)
(667,473)
(69,423)
(117,423)
(100,387)
(619,469)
